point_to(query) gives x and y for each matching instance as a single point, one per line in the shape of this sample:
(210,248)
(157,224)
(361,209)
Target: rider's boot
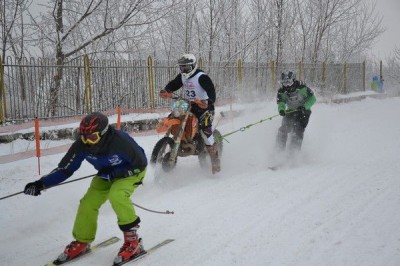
(215,162)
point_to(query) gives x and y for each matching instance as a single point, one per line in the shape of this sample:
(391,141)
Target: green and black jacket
(295,96)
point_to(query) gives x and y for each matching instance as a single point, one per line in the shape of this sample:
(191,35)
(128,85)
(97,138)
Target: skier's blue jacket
(117,155)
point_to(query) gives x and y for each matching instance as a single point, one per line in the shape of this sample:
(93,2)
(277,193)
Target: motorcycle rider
(199,88)
(294,101)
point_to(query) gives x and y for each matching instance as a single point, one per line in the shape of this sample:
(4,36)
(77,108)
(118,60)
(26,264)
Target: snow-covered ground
(336,205)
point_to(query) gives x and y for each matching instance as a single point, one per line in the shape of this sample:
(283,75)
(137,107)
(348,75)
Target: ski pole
(161,212)
(141,207)
(11,195)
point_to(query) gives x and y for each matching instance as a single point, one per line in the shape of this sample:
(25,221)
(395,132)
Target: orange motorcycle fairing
(167,123)
(191,127)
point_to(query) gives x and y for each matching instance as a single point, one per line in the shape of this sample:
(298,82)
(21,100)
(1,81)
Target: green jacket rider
(294,101)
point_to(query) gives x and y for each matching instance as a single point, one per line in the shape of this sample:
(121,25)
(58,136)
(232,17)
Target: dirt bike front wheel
(162,152)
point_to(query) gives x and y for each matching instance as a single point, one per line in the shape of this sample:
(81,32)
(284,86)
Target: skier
(121,165)
(377,84)
(294,101)
(200,89)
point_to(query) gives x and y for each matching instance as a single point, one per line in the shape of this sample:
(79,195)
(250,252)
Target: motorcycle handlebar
(181,98)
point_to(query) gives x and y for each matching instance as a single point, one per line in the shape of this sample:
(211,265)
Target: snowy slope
(337,205)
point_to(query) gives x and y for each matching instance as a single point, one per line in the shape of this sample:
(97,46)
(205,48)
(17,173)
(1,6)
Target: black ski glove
(282,112)
(301,110)
(34,188)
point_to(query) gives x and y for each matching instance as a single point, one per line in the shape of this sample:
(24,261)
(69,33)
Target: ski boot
(131,247)
(215,162)
(73,250)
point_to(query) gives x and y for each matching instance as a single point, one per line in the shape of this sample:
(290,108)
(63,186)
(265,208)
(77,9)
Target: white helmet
(287,78)
(187,65)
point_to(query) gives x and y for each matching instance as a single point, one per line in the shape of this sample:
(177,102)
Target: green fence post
(200,63)
(150,78)
(3,102)
(88,90)
(273,73)
(240,75)
(323,76)
(1,90)
(300,66)
(345,78)
(363,74)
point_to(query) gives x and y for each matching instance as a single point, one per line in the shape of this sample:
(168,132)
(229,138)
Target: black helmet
(287,78)
(93,127)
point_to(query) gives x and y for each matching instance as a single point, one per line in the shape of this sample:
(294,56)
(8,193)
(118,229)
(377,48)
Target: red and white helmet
(93,127)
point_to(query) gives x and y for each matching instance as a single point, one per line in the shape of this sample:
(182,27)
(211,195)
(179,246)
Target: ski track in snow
(335,205)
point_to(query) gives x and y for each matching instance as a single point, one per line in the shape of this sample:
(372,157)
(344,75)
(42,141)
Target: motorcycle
(182,138)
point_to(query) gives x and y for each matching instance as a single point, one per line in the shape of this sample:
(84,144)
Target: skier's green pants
(118,192)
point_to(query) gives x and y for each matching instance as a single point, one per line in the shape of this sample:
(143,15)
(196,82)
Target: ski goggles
(287,82)
(185,68)
(91,139)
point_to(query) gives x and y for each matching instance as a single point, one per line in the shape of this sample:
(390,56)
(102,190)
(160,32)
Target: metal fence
(103,85)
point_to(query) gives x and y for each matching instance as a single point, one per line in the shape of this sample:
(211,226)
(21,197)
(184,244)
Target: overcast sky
(384,45)
(390,10)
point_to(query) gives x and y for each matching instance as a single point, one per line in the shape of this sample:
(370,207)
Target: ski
(274,168)
(105,243)
(145,252)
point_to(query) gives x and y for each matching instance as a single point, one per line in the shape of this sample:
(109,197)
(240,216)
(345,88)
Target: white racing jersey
(193,89)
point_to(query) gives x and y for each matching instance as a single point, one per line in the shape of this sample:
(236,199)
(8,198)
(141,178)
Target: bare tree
(283,18)
(357,34)
(306,19)
(392,70)
(328,14)
(80,24)
(12,27)
(213,17)
(174,34)
(13,36)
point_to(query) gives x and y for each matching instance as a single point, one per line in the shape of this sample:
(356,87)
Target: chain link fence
(103,85)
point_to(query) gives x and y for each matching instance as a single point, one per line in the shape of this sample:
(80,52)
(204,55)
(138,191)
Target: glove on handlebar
(165,94)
